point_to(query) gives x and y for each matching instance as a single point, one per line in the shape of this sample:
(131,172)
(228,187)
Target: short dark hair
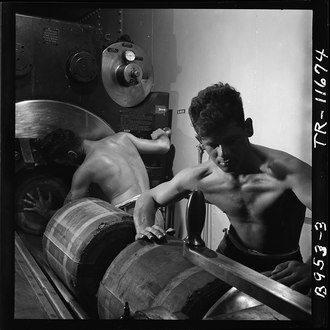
(57,143)
(215,107)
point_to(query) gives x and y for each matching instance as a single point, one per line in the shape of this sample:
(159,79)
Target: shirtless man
(114,163)
(264,192)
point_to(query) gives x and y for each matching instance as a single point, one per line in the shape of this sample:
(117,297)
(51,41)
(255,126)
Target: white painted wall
(264,54)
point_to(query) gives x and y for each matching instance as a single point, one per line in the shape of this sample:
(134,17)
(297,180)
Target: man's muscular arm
(79,186)
(164,194)
(294,173)
(160,143)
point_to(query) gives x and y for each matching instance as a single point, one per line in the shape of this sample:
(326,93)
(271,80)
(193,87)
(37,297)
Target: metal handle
(195,219)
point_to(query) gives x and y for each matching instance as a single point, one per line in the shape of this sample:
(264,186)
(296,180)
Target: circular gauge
(129,55)
(128,83)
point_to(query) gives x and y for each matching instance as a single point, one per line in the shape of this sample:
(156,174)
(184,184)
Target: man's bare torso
(116,166)
(260,208)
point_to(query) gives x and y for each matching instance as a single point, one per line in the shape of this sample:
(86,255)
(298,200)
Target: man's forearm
(144,212)
(162,139)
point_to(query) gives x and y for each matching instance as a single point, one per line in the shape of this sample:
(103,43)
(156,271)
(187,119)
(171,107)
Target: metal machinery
(69,75)
(65,62)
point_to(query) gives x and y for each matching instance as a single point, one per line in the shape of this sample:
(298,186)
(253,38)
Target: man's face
(227,147)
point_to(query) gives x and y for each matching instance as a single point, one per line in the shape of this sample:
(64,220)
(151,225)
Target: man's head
(62,146)
(218,117)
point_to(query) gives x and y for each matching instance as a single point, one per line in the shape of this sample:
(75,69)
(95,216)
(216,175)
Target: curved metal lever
(195,219)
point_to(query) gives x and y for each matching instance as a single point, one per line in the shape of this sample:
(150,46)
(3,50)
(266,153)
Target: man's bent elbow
(164,147)
(145,198)
(165,150)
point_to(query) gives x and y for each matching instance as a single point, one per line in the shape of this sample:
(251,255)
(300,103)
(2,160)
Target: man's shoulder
(190,178)
(272,154)
(120,136)
(123,139)
(111,145)
(282,163)
(198,171)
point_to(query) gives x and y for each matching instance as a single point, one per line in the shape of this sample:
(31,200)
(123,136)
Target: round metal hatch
(36,118)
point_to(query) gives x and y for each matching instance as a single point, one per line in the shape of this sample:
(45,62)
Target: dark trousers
(231,247)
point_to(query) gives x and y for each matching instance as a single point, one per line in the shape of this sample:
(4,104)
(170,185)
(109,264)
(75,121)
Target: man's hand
(275,168)
(41,206)
(294,274)
(152,226)
(148,221)
(294,174)
(154,232)
(151,233)
(159,132)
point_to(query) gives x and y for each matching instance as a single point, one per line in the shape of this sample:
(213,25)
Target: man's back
(115,164)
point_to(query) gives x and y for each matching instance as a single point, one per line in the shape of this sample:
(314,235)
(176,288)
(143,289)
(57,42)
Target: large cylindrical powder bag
(80,242)
(148,275)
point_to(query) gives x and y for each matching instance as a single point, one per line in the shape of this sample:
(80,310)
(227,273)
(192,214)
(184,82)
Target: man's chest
(249,196)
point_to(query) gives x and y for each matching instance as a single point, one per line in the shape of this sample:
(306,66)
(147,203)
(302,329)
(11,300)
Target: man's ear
(72,154)
(248,127)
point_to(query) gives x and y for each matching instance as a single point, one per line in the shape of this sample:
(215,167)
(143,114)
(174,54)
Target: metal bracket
(26,152)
